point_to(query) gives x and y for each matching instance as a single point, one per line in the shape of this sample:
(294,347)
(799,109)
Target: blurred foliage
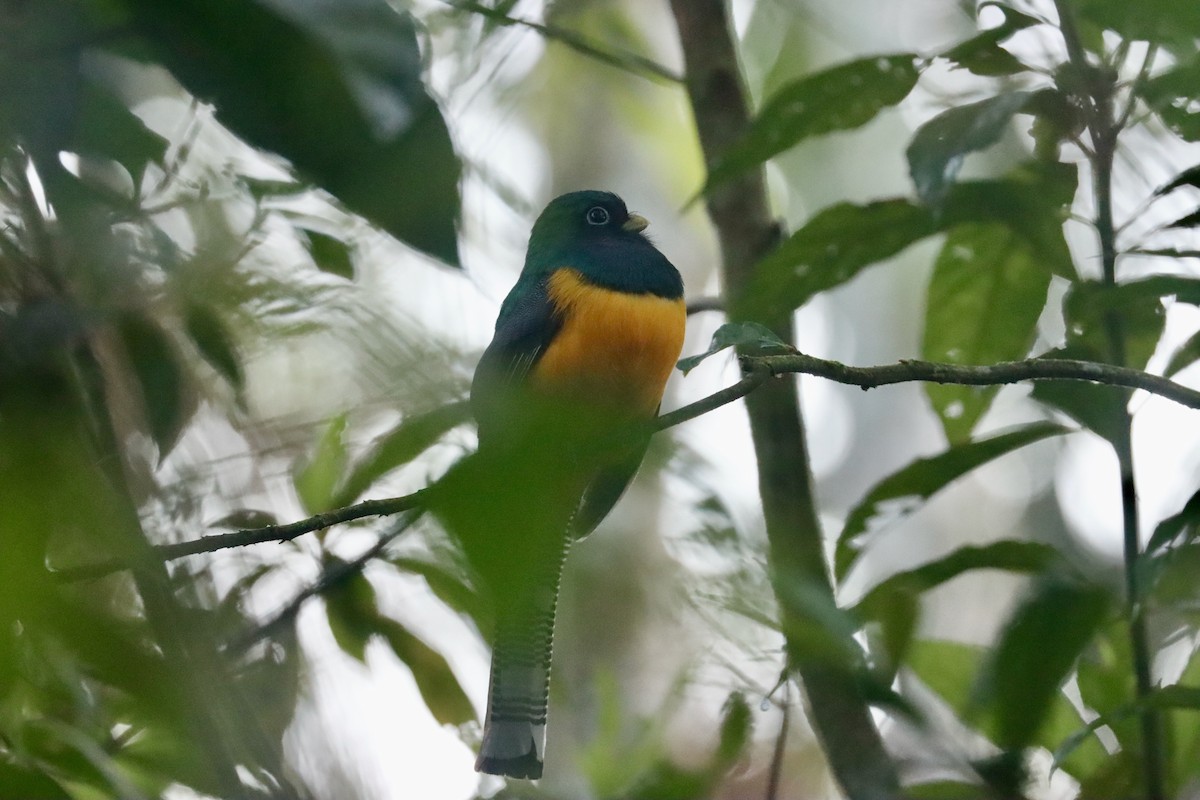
(133,297)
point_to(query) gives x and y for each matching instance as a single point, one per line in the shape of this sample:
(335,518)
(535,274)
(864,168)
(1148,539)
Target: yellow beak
(635,224)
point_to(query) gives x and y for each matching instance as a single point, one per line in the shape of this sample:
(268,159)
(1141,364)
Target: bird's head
(587,219)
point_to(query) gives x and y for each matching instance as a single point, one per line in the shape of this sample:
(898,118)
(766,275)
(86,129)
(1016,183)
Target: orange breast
(615,349)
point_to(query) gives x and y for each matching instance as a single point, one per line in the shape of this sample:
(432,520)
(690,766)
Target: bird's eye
(597,215)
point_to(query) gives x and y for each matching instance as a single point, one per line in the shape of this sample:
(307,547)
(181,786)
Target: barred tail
(514,730)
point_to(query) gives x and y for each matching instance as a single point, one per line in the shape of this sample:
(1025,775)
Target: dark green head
(594,232)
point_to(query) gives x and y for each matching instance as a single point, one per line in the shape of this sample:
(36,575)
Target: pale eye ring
(597,215)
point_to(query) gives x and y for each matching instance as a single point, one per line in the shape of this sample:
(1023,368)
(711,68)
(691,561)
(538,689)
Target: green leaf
(352,611)
(1171,23)
(329,253)
(1007,555)
(211,338)
(450,588)
(1187,354)
(982,53)
(902,492)
(1173,95)
(1170,528)
(840,98)
(317,481)
(1191,220)
(333,87)
(945,790)
(1100,409)
(1090,306)
(1166,698)
(936,152)
(743,335)
(435,680)
(108,129)
(947,668)
(400,446)
(159,373)
(736,727)
(832,247)
(985,296)
(29,784)
(1189,177)
(1035,654)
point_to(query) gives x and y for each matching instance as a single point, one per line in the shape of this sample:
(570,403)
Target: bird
(563,396)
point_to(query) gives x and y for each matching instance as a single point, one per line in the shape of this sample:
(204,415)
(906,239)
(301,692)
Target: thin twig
(780,745)
(622,59)
(267,533)
(329,578)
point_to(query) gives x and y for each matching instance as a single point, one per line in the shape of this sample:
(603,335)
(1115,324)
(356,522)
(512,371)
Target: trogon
(583,346)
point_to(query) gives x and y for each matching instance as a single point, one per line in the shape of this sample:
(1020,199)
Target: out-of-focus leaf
(335,87)
(982,53)
(352,612)
(1184,731)
(317,481)
(922,478)
(945,790)
(985,296)
(1090,306)
(1189,177)
(1163,698)
(108,129)
(449,588)
(1187,354)
(1057,118)
(1035,654)
(1173,95)
(897,618)
(936,152)
(400,446)
(1170,528)
(329,253)
(839,98)
(1187,221)
(211,338)
(435,680)
(1169,577)
(1096,407)
(738,334)
(1007,555)
(29,784)
(156,365)
(1165,22)
(947,668)
(736,727)
(831,248)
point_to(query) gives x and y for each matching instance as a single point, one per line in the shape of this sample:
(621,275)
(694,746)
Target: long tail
(514,730)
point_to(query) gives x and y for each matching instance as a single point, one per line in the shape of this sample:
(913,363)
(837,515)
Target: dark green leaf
(439,688)
(334,87)
(449,588)
(839,98)
(1035,654)
(352,612)
(831,248)
(744,335)
(947,668)
(1170,528)
(1165,698)
(1189,177)
(1007,555)
(329,253)
(1188,221)
(921,479)
(1187,354)
(246,519)
(945,790)
(736,727)
(985,296)
(159,373)
(1098,408)
(29,784)
(108,129)
(1090,308)
(1173,95)
(1165,22)
(317,481)
(399,447)
(983,55)
(211,338)
(936,152)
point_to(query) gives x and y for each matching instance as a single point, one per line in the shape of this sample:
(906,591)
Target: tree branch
(267,533)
